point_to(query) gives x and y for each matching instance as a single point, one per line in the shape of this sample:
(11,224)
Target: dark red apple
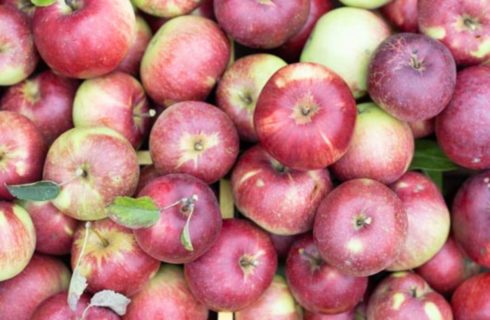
(307,108)
(237,269)
(471,300)
(131,62)
(422,128)
(166,8)
(348,315)
(402,14)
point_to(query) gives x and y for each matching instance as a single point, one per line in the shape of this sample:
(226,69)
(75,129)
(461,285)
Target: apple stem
(314,260)
(185,202)
(104,241)
(150,114)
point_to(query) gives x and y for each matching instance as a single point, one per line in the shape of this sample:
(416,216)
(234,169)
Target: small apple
(471,300)
(422,128)
(365,4)
(167,8)
(402,14)
(131,62)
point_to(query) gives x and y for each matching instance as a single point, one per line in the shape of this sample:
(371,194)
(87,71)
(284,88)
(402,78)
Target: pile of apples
(246,159)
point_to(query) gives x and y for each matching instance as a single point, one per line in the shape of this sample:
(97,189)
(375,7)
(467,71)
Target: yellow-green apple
(404,296)
(291,196)
(46,99)
(171,70)
(240,87)
(382,147)
(43,277)
(274,304)
(471,300)
(142,36)
(261,24)
(462,128)
(167,8)
(195,138)
(237,269)
(180,197)
(412,76)
(93,166)
(365,4)
(422,128)
(166,297)
(360,227)
(316,285)
(26,6)
(331,44)
(402,14)
(116,101)
(84,38)
(18,57)
(22,151)
(448,268)
(112,259)
(307,108)
(348,315)
(462,25)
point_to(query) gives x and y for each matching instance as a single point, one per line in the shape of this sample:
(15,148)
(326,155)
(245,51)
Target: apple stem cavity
(471,23)
(315,260)
(104,241)
(362,221)
(247,262)
(415,62)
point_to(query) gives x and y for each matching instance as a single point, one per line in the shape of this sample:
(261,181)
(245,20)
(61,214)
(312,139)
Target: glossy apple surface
(471,300)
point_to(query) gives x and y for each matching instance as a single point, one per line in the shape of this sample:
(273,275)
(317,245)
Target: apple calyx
(303,113)
(246,98)
(361,221)
(415,62)
(471,23)
(247,263)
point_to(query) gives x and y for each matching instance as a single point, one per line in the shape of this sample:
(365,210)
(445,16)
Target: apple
(196,138)
(131,62)
(54,229)
(18,57)
(412,76)
(22,151)
(167,8)
(445,271)
(154,22)
(360,227)
(236,271)
(282,244)
(331,44)
(46,99)
(43,277)
(316,285)
(116,101)
(261,24)
(240,87)
(462,26)
(348,315)
(422,128)
(462,128)
(275,303)
(382,147)
(291,196)
(171,71)
(402,14)
(365,4)
(167,297)
(84,38)
(93,166)
(405,295)
(307,108)
(471,300)
(147,174)
(205,9)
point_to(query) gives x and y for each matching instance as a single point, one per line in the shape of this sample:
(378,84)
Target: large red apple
(237,269)
(131,62)
(402,14)
(84,38)
(167,8)
(471,300)
(360,227)
(307,108)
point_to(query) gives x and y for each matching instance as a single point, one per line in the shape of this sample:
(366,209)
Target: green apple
(365,4)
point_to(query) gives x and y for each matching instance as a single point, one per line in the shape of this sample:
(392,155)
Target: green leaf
(78,284)
(134,213)
(42,3)
(185,237)
(110,299)
(37,191)
(429,157)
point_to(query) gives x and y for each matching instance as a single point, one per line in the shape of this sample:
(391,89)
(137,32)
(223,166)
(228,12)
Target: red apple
(166,8)
(131,62)
(84,38)
(282,244)
(46,100)
(348,315)
(195,138)
(237,269)
(402,14)
(171,70)
(307,108)
(279,199)
(205,9)
(42,278)
(471,300)
(317,286)
(360,227)
(148,173)
(422,128)
(462,128)
(261,24)
(26,6)
(382,147)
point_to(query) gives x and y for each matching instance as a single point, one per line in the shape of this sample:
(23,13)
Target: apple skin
(360,227)
(365,4)
(282,244)
(95,165)
(167,8)
(116,101)
(261,24)
(196,138)
(348,315)
(462,128)
(305,107)
(331,44)
(317,286)
(22,151)
(240,87)
(448,268)
(25,6)
(402,14)
(422,128)
(406,296)
(87,40)
(205,9)
(292,195)
(471,300)
(43,277)
(462,26)
(428,220)
(237,269)
(170,69)
(46,99)
(131,62)
(412,76)
(381,148)
(147,174)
